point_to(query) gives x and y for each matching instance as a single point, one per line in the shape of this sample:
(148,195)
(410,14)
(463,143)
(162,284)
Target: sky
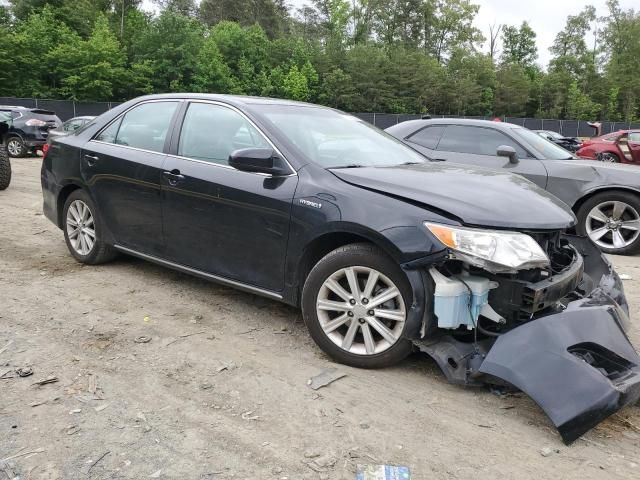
(546,17)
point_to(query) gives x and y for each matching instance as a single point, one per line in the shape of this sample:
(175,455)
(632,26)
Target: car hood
(475,196)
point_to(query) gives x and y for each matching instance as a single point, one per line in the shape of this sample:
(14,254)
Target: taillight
(45,149)
(34,122)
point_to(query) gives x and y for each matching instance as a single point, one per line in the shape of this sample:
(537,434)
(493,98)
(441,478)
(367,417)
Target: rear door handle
(91,159)
(173,177)
(439,159)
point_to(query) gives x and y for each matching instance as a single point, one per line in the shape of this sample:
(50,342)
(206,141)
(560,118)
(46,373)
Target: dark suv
(28,129)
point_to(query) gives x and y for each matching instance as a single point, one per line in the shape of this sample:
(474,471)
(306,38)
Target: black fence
(67,109)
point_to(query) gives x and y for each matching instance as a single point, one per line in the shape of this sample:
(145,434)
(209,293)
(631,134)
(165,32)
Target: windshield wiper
(351,165)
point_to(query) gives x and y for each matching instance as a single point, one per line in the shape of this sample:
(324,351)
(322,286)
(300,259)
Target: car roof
(232,99)
(411,126)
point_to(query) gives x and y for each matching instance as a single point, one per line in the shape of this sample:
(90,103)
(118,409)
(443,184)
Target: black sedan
(604,196)
(572,144)
(383,250)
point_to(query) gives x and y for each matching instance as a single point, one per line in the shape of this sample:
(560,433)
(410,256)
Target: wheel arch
(62,199)
(605,189)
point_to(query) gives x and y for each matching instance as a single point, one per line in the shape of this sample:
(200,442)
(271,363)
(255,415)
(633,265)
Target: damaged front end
(556,332)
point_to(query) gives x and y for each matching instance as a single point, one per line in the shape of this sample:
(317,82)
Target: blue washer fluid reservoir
(459,299)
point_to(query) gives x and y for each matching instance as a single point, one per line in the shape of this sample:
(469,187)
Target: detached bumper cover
(578,365)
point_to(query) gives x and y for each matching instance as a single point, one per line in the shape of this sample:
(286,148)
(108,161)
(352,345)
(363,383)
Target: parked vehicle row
(568,143)
(384,249)
(28,129)
(622,146)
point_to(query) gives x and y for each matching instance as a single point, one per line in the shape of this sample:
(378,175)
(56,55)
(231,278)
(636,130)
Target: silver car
(605,197)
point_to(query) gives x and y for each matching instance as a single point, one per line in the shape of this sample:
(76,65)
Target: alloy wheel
(608,158)
(613,224)
(361,310)
(14,147)
(81,228)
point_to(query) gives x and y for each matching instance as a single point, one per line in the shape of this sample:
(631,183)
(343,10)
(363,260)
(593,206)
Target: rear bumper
(577,363)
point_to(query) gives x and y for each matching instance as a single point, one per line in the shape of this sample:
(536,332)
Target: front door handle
(438,159)
(173,177)
(91,159)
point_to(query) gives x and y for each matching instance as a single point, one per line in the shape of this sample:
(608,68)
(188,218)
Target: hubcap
(609,158)
(14,147)
(613,224)
(361,310)
(80,227)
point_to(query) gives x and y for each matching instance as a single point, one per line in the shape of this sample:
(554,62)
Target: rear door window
(428,137)
(476,140)
(146,126)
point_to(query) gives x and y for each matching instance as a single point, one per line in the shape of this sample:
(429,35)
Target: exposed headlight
(493,250)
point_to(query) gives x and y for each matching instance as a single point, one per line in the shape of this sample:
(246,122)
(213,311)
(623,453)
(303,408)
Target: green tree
(519,45)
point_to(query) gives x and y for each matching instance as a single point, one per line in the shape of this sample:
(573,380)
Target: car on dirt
(28,129)
(568,143)
(604,197)
(383,250)
(67,128)
(5,163)
(622,146)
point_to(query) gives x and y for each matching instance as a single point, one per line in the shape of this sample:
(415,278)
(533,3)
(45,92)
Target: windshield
(548,150)
(337,140)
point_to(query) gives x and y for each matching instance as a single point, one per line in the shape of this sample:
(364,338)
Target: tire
(608,157)
(16,147)
(5,168)
(361,259)
(601,215)
(99,251)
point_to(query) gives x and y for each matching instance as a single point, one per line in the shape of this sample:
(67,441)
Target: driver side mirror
(258,160)
(509,152)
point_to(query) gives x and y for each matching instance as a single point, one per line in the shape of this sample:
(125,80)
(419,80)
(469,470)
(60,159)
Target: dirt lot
(220,390)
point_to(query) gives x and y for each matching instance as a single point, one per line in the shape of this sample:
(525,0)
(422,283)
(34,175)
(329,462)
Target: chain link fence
(67,109)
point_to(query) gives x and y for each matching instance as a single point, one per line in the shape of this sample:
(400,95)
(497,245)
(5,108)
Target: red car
(622,146)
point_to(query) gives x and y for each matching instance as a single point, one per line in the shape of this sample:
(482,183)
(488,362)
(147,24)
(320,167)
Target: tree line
(395,56)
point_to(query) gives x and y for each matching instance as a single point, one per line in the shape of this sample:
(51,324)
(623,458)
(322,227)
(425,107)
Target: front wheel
(612,221)
(16,147)
(354,303)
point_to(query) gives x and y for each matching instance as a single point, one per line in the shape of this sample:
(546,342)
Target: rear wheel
(612,221)
(354,303)
(608,157)
(5,168)
(83,230)
(16,147)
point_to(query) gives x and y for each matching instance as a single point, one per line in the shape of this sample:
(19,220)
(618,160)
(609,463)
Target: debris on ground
(20,453)
(97,461)
(156,474)
(547,452)
(382,472)
(18,372)
(50,379)
(3,349)
(325,377)
(142,339)
(624,276)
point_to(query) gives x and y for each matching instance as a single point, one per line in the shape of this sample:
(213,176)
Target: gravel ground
(220,389)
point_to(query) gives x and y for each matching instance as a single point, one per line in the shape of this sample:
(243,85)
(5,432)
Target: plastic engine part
(459,299)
